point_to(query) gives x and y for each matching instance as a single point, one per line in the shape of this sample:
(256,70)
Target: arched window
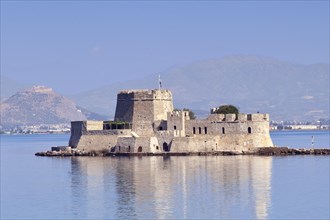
(223,130)
(199,130)
(205,130)
(249,130)
(140,149)
(194,130)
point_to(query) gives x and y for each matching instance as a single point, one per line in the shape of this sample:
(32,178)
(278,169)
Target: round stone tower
(143,107)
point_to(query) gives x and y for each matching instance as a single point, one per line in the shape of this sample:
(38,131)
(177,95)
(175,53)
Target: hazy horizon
(78,46)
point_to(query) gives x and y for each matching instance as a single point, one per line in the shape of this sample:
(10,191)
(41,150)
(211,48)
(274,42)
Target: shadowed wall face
(124,108)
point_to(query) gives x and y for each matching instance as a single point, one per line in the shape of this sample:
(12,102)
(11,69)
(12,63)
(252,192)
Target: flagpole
(159,82)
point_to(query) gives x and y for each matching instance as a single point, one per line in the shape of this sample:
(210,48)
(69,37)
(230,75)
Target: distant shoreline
(289,130)
(286,130)
(42,133)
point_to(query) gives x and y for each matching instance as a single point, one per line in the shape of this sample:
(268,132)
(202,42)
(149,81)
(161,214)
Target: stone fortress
(146,122)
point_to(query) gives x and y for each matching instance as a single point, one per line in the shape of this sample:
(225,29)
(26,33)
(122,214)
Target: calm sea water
(218,187)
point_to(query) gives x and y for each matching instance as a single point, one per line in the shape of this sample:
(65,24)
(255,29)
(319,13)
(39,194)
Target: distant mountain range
(41,105)
(287,91)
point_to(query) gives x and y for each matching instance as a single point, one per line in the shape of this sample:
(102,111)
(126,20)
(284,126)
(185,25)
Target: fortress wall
(236,138)
(136,106)
(142,108)
(207,143)
(253,123)
(176,121)
(143,117)
(96,142)
(231,142)
(74,141)
(94,125)
(230,117)
(143,143)
(118,132)
(155,145)
(242,117)
(150,110)
(163,103)
(160,125)
(124,107)
(77,129)
(125,145)
(239,117)
(260,117)
(248,135)
(216,117)
(193,144)
(164,137)
(82,138)
(146,144)
(136,145)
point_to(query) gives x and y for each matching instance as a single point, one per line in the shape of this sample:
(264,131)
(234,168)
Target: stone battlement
(238,118)
(148,95)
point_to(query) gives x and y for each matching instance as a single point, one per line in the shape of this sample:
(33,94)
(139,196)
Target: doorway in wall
(166,147)
(140,149)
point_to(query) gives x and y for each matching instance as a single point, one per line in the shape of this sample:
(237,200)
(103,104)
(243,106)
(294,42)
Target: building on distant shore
(300,127)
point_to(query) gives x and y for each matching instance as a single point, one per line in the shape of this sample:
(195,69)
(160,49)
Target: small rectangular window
(205,130)
(194,130)
(174,127)
(199,130)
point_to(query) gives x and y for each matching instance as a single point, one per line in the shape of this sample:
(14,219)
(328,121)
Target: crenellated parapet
(238,118)
(145,95)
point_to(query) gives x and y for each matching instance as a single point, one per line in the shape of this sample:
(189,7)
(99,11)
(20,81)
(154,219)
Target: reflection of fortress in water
(145,122)
(173,187)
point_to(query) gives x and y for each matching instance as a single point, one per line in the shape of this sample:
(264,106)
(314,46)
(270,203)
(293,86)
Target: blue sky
(74,46)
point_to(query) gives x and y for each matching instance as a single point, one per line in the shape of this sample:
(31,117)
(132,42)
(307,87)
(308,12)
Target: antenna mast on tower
(160,82)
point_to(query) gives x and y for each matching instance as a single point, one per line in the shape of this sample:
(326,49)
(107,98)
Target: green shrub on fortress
(226,109)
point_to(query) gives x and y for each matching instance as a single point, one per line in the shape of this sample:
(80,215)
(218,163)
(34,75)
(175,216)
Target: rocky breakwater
(263,151)
(69,152)
(285,151)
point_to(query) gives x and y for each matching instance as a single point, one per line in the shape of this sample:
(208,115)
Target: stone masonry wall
(125,106)
(163,103)
(142,108)
(96,142)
